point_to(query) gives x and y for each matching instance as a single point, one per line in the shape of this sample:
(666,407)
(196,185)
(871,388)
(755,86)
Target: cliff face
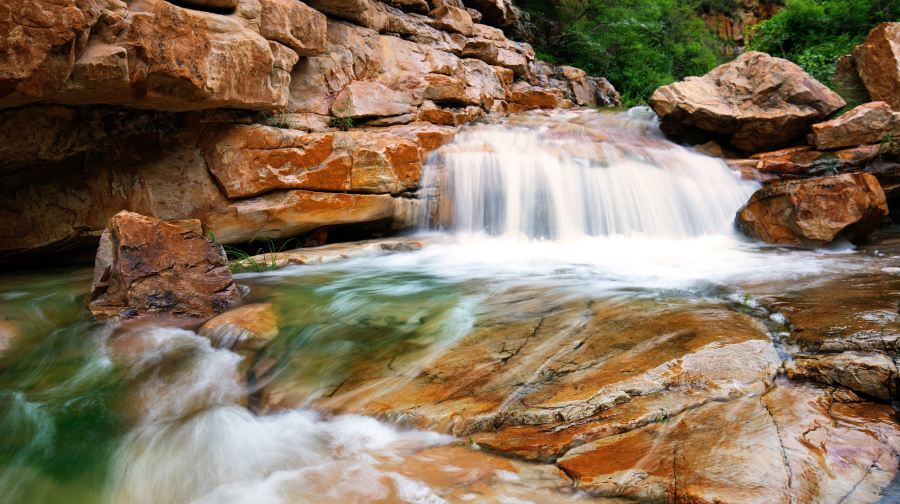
(258,117)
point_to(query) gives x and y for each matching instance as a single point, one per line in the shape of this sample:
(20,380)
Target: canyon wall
(258,117)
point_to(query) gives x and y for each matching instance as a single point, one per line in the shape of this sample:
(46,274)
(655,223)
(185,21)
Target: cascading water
(570,175)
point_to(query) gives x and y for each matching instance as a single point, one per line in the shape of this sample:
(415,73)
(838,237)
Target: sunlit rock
(247,327)
(869,123)
(755,102)
(878,62)
(816,211)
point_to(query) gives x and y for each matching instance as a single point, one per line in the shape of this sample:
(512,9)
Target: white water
(607,175)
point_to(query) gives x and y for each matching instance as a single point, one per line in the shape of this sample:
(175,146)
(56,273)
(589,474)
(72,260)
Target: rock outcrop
(878,63)
(148,267)
(815,211)
(755,102)
(259,116)
(869,123)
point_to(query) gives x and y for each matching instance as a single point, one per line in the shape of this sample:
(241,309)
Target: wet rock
(805,447)
(816,211)
(9,333)
(245,328)
(148,267)
(756,102)
(878,62)
(340,251)
(865,124)
(804,161)
(874,375)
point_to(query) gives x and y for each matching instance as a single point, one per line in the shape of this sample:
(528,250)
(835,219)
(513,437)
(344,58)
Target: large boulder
(866,124)
(816,211)
(878,63)
(145,266)
(756,102)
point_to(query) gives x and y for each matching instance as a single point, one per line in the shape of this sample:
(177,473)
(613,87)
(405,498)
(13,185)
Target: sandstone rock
(755,101)
(341,251)
(816,211)
(153,54)
(245,328)
(803,161)
(148,267)
(444,88)
(285,214)
(523,96)
(874,375)
(453,19)
(494,12)
(605,94)
(878,62)
(449,116)
(804,448)
(212,5)
(419,6)
(370,98)
(367,13)
(865,124)
(293,24)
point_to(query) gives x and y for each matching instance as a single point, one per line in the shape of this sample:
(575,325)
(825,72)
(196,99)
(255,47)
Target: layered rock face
(246,103)
(754,102)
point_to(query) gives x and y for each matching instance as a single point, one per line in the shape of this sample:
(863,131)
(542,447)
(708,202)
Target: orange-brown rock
(245,328)
(878,62)
(756,102)
(816,211)
(805,448)
(148,267)
(866,124)
(150,54)
(453,19)
(495,12)
(292,23)
(872,374)
(804,161)
(523,96)
(361,99)
(284,214)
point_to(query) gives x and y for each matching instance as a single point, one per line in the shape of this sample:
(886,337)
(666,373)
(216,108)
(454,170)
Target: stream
(546,234)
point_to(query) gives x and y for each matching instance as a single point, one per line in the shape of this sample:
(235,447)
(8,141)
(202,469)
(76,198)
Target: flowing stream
(556,206)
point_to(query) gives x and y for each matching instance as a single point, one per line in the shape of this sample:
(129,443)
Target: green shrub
(815,33)
(341,123)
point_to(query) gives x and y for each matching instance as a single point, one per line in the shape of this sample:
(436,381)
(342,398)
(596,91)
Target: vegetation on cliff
(815,33)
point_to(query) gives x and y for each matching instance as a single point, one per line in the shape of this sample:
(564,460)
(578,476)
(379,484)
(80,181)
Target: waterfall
(567,175)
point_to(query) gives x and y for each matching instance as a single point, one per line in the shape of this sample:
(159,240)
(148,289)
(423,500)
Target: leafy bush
(638,46)
(341,123)
(815,33)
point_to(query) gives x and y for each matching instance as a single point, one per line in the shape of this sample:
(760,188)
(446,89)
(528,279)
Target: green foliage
(638,46)
(341,123)
(815,33)
(241,261)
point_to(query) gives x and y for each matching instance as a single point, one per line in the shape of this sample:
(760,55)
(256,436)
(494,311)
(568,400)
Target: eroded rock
(878,62)
(816,211)
(866,124)
(148,267)
(245,328)
(756,102)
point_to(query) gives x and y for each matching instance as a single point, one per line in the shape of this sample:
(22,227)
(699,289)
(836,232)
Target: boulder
(523,96)
(866,124)
(814,212)
(145,266)
(453,19)
(878,63)
(804,161)
(756,102)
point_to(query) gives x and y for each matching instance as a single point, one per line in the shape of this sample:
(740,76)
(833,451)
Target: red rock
(866,124)
(816,211)
(148,267)
(878,62)
(293,24)
(756,101)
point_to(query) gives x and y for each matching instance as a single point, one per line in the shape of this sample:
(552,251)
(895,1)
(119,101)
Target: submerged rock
(814,212)
(878,62)
(756,102)
(148,267)
(248,327)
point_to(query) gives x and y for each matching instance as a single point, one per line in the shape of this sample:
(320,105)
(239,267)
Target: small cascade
(567,175)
